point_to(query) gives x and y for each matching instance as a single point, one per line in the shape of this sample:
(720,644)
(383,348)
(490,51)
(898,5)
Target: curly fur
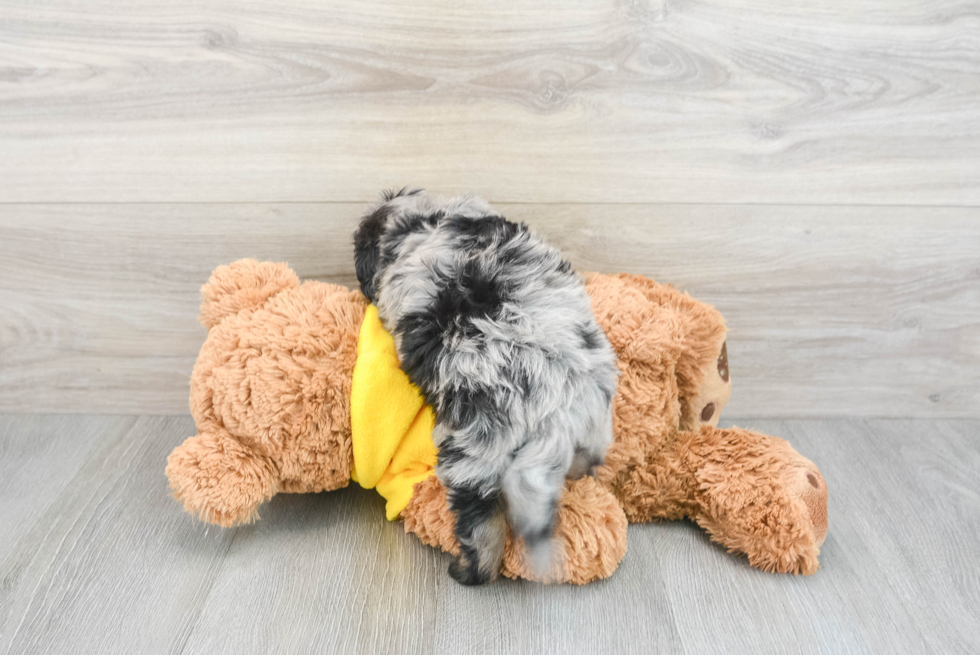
(498,333)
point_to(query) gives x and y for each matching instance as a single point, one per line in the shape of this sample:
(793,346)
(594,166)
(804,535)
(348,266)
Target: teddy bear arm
(661,488)
(756,495)
(589,537)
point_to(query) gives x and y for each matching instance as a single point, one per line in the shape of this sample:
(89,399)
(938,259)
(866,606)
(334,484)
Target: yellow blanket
(391,426)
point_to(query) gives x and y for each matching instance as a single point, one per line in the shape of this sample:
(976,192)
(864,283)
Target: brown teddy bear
(271,394)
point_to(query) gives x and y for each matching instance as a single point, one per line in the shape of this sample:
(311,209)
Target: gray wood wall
(812,168)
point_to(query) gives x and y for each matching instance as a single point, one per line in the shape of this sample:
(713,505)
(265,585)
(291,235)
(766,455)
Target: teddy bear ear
(242,285)
(662,327)
(638,328)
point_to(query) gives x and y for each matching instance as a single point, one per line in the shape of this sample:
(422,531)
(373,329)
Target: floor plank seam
(204,601)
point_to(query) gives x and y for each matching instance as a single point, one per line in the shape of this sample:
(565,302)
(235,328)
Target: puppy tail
(532,487)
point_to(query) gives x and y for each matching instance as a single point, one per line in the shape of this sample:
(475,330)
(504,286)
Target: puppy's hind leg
(532,487)
(481,531)
(473,492)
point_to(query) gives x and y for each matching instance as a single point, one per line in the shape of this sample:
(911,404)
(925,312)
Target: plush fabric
(273,394)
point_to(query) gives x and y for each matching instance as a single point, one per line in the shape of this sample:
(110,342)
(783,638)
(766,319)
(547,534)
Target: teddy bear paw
(810,487)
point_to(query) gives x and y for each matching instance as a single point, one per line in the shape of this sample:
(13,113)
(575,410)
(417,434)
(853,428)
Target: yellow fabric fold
(391,426)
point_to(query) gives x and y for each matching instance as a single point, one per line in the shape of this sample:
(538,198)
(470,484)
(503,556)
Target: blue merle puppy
(498,333)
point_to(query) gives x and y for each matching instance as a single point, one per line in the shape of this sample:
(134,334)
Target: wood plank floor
(95,557)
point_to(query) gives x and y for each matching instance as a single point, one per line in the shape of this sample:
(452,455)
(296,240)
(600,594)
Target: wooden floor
(95,557)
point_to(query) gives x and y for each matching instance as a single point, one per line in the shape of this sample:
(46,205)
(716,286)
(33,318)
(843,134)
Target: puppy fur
(498,333)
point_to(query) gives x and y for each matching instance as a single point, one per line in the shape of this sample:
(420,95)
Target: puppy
(498,333)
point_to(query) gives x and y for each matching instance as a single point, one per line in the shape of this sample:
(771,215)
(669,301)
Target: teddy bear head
(672,354)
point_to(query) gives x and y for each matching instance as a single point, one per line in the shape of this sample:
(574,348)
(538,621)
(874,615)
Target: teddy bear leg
(589,537)
(758,496)
(220,480)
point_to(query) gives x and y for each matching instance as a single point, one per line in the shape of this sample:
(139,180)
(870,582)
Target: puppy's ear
(367,249)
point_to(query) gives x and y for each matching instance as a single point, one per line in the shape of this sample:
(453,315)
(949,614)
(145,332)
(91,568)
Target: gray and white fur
(497,331)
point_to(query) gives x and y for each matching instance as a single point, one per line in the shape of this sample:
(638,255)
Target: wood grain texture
(596,101)
(833,311)
(40,457)
(114,565)
(109,566)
